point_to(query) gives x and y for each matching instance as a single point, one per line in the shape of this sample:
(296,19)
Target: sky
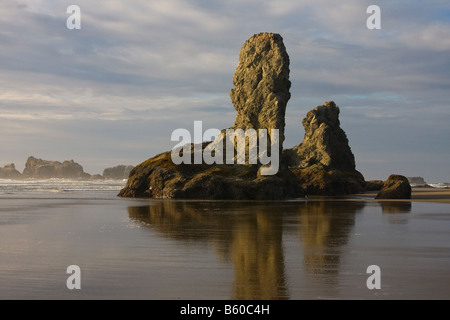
(113,91)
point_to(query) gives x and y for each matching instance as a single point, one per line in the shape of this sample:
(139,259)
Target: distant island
(44,169)
(417,182)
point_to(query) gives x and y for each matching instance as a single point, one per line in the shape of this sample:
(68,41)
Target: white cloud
(432,37)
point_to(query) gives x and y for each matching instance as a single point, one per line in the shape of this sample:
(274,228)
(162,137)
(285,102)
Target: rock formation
(44,169)
(262,84)
(323,164)
(117,172)
(417,182)
(260,96)
(395,187)
(324,161)
(9,172)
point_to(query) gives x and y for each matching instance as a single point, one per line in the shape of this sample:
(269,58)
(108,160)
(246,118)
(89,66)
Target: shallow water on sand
(151,249)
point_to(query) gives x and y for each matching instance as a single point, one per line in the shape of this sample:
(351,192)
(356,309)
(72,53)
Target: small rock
(395,187)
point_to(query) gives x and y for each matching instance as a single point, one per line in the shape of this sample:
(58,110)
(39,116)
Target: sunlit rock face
(262,84)
(325,143)
(323,161)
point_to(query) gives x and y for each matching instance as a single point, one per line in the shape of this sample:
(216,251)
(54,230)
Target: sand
(418,194)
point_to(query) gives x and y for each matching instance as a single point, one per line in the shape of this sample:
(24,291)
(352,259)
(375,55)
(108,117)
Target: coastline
(417,194)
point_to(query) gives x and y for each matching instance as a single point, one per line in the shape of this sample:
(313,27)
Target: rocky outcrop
(158,177)
(323,164)
(324,161)
(9,172)
(395,187)
(262,84)
(260,96)
(325,144)
(44,169)
(117,172)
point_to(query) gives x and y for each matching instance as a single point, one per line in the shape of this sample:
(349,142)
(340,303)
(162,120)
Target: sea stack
(260,97)
(45,169)
(262,84)
(323,164)
(9,172)
(323,161)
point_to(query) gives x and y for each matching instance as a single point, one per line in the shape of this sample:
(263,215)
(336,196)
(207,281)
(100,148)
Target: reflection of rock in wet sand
(394,208)
(257,254)
(249,234)
(324,229)
(178,220)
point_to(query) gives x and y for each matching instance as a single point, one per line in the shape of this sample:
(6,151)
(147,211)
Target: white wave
(440,185)
(52,186)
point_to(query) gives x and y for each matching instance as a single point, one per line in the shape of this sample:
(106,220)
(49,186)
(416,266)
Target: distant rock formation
(260,96)
(44,169)
(9,172)
(324,161)
(395,187)
(117,172)
(417,182)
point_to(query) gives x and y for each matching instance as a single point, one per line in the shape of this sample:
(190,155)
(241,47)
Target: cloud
(169,63)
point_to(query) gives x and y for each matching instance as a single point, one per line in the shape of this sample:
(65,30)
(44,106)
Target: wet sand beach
(417,194)
(164,249)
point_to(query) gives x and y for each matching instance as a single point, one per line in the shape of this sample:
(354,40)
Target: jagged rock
(325,143)
(260,96)
(44,169)
(9,172)
(324,161)
(395,187)
(117,172)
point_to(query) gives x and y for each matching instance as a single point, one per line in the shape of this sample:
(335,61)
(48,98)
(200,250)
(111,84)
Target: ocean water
(440,185)
(56,188)
(315,248)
